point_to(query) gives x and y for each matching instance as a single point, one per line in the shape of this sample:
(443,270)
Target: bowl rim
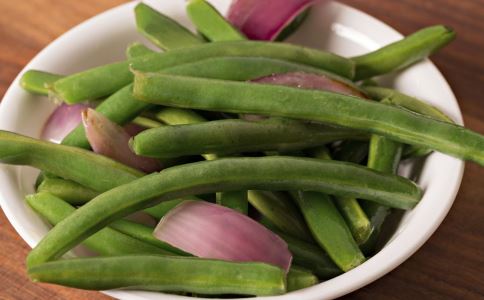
(393,254)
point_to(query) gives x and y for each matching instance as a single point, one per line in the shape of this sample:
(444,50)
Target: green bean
(145,234)
(211,23)
(77,194)
(229,174)
(310,256)
(67,190)
(280,211)
(38,82)
(163,273)
(105,242)
(235,136)
(403,53)
(161,30)
(236,200)
(282,51)
(350,209)
(300,278)
(384,156)
(337,109)
(399,99)
(329,229)
(146,122)
(92,170)
(121,107)
(105,80)
(137,49)
(177,116)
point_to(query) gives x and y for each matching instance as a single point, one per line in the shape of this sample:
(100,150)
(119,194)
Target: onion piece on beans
(209,230)
(62,121)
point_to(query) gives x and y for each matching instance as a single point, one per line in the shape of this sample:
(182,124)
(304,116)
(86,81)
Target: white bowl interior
(334,27)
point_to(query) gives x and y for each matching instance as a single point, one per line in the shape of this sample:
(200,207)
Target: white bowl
(334,27)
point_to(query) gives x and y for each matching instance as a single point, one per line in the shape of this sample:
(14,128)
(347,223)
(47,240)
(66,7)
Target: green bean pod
(105,242)
(211,23)
(235,136)
(329,229)
(91,170)
(384,156)
(105,80)
(163,273)
(177,116)
(145,234)
(38,82)
(399,99)
(346,111)
(350,209)
(161,30)
(278,208)
(236,200)
(403,53)
(221,175)
(136,50)
(146,122)
(310,257)
(67,190)
(300,278)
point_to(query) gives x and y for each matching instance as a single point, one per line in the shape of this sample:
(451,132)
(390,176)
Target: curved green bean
(220,175)
(105,80)
(346,111)
(211,23)
(145,234)
(177,116)
(163,273)
(67,190)
(92,170)
(235,136)
(384,156)
(161,30)
(329,229)
(350,209)
(137,49)
(280,211)
(403,53)
(38,82)
(105,242)
(300,278)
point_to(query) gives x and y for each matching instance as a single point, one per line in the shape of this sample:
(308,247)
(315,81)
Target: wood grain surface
(449,266)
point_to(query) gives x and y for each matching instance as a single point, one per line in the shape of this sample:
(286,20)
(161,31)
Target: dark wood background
(449,266)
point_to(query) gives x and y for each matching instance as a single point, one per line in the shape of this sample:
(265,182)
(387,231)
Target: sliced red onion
(133,129)
(110,139)
(305,80)
(62,121)
(265,19)
(212,231)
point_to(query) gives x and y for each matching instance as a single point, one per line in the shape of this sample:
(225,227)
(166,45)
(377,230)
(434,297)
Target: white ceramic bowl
(334,27)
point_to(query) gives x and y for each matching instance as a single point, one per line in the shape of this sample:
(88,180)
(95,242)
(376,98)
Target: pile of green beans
(317,168)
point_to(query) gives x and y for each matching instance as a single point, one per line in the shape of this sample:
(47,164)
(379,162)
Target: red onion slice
(110,139)
(62,121)
(212,231)
(265,19)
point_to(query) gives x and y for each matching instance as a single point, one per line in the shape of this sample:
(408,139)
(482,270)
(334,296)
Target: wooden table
(448,266)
